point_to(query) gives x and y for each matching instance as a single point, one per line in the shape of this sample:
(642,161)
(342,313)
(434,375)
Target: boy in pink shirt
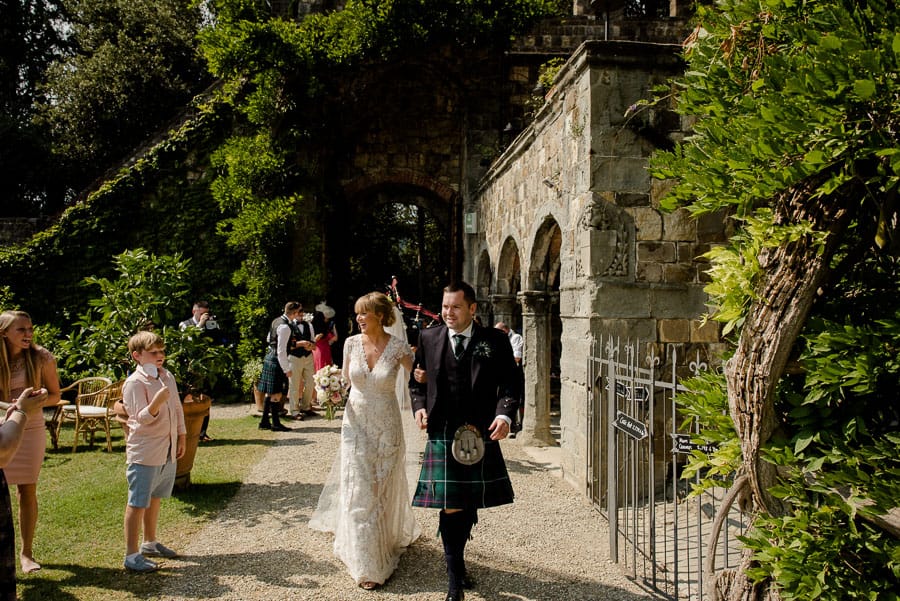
(155,441)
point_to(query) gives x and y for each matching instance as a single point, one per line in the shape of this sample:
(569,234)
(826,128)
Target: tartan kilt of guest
(272,380)
(446,483)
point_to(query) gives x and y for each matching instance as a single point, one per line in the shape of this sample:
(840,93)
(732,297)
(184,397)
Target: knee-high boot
(276,414)
(455,529)
(264,423)
(466,523)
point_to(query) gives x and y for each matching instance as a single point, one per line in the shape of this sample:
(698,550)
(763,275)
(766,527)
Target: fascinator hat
(325,310)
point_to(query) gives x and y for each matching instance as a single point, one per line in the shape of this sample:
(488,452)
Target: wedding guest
(25,408)
(201,317)
(154,443)
(24,364)
(301,385)
(518,348)
(326,335)
(276,368)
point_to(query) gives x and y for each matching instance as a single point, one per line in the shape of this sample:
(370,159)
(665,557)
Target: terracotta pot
(195,409)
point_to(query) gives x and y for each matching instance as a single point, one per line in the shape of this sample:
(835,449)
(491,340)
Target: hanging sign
(681,443)
(630,426)
(631,393)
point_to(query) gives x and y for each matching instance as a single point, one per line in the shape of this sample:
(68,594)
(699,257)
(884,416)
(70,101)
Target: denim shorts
(146,481)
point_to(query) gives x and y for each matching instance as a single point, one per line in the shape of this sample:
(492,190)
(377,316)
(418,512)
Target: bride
(366,501)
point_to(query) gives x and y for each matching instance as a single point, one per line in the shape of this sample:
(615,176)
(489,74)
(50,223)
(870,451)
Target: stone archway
(433,207)
(482,285)
(543,332)
(508,285)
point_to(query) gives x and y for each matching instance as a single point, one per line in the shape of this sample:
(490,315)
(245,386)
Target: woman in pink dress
(24,364)
(326,335)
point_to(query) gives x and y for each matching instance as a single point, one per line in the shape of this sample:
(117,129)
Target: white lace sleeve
(348,352)
(399,349)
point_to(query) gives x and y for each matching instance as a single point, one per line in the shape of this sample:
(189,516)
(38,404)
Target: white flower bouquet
(331,389)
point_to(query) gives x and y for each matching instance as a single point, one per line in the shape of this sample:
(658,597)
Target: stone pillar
(504,308)
(536,331)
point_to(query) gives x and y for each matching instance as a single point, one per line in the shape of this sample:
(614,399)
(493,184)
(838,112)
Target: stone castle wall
(625,267)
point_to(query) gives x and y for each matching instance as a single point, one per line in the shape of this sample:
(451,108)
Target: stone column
(504,308)
(536,331)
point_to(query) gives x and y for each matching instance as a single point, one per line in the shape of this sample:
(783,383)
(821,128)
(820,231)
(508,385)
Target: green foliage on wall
(155,203)
(228,188)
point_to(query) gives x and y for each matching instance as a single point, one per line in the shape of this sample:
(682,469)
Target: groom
(465,378)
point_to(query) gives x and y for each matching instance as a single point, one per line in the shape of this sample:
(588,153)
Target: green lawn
(81,499)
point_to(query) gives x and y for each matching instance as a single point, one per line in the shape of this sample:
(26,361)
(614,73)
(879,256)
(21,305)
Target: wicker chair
(114,395)
(89,411)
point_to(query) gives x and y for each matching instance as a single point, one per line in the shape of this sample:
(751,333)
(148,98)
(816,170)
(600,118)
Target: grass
(81,499)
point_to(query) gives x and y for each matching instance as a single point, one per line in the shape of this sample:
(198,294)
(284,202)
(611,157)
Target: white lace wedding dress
(366,501)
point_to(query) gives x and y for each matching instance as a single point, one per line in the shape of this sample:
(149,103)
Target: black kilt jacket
(472,390)
(492,380)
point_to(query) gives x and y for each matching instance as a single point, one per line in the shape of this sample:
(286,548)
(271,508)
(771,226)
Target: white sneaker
(155,549)
(139,563)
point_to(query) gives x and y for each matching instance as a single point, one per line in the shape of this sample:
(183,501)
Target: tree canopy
(29,43)
(797,108)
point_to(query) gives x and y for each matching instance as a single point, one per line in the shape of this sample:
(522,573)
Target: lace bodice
(381,380)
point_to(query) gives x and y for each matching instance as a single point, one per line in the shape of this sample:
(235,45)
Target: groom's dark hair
(466,289)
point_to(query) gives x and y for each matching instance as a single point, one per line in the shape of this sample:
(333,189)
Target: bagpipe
(416,323)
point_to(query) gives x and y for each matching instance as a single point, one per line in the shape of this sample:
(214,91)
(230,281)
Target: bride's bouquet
(331,389)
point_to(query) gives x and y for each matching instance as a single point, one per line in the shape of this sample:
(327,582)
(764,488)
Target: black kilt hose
(272,380)
(447,484)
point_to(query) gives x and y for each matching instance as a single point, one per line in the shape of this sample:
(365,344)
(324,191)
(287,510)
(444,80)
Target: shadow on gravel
(422,570)
(288,569)
(260,501)
(526,466)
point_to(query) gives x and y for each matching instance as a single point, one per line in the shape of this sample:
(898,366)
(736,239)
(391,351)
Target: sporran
(468,445)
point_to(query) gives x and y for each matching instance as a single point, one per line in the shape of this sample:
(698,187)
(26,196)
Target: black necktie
(458,346)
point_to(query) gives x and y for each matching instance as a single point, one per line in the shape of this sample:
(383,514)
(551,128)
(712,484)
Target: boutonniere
(482,350)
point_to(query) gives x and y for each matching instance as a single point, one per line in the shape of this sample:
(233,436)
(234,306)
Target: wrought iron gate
(637,446)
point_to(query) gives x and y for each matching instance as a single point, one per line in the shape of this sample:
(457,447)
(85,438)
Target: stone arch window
(543,273)
(509,268)
(483,275)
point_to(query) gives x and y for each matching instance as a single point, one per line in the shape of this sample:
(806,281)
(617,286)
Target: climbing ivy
(231,187)
(279,76)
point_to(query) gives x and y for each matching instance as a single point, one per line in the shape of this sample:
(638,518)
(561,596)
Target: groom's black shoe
(455,596)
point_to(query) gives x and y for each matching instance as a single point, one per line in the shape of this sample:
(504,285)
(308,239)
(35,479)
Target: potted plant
(144,295)
(250,374)
(196,361)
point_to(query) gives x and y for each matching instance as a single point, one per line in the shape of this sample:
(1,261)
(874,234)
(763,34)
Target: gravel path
(549,545)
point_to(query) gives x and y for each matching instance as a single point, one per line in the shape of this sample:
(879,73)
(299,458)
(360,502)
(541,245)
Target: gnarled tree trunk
(793,272)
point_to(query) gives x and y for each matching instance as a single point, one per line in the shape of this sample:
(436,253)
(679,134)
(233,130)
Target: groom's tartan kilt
(446,483)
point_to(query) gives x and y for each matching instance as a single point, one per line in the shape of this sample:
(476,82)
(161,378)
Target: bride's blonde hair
(377,303)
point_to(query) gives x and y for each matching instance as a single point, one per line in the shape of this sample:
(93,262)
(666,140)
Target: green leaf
(864,88)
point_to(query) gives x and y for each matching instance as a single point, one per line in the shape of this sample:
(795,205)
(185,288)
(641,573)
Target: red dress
(322,352)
